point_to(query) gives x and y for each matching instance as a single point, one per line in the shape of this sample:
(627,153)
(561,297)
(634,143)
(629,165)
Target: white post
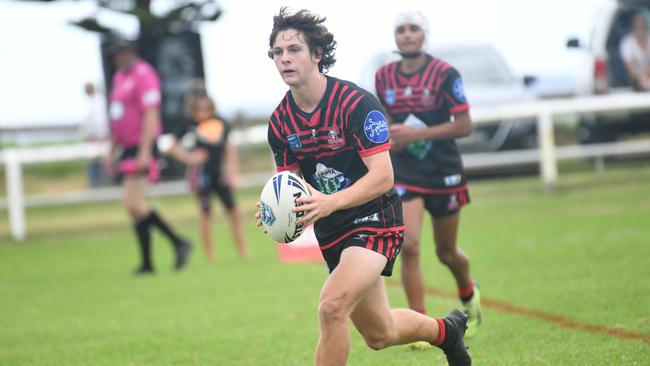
(15,196)
(546,140)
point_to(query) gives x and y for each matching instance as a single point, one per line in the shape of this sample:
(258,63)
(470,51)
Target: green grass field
(581,253)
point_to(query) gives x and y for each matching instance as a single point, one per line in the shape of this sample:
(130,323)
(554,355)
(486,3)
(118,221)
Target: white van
(604,72)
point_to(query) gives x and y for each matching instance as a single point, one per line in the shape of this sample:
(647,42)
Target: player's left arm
(377,181)
(460,126)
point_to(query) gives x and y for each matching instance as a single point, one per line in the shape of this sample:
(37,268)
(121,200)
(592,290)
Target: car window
(477,66)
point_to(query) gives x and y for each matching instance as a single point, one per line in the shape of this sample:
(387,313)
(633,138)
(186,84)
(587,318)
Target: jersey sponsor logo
(420,148)
(329,180)
(294,142)
(408,91)
(335,141)
(390,96)
(459,91)
(370,218)
(266,215)
(376,127)
(452,180)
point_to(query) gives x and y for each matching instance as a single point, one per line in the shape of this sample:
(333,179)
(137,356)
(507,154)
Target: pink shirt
(134,91)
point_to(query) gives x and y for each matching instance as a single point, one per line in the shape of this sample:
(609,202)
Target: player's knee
(331,311)
(446,256)
(411,248)
(378,341)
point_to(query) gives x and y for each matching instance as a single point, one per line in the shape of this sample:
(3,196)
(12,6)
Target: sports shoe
(473,311)
(183,250)
(456,352)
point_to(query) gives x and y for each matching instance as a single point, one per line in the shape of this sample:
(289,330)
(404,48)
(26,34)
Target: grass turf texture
(67,297)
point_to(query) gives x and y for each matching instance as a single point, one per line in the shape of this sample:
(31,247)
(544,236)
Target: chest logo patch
(294,142)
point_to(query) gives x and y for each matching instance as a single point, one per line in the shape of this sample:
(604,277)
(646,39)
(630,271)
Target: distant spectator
(212,168)
(635,52)
(135,125)
(95,128)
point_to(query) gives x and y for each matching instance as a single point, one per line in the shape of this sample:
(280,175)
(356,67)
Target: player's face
(409,38)
(124,59)
(202,110)
(292,57)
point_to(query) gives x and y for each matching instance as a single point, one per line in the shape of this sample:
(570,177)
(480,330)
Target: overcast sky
(45,62)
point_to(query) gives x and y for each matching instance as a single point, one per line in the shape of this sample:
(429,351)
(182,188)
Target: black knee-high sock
(164,227)
(144,240)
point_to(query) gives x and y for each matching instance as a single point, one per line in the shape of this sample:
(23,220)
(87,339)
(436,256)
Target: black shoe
(142,271)
(456,352)
(183,250)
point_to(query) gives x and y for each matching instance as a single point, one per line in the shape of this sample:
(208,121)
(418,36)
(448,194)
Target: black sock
(164,227)
(144,240)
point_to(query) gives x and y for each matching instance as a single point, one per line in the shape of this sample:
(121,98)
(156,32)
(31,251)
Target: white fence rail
(546,155)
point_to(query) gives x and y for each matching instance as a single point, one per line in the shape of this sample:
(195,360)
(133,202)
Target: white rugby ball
(277,201)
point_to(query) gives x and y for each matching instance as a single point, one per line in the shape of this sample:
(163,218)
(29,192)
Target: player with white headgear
(427,108)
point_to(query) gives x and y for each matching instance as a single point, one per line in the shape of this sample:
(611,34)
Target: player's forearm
(372,185)
(450,130)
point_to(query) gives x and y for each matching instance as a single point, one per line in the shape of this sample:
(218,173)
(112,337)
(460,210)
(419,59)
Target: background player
(207,140)
(335,134)
(135,124)
(427,108)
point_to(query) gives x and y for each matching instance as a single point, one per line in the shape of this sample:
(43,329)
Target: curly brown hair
(319,40)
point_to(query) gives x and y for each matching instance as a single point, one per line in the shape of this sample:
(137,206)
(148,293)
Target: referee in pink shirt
(135,124)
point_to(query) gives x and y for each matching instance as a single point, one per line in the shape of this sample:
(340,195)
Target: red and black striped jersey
(327,145)
(427,97)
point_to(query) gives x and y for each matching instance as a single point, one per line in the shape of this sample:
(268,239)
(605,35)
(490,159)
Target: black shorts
(203,185)
(439,204)
(387,244)
(127,165)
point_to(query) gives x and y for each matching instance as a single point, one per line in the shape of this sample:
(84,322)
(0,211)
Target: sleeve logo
(459,91)
(376,127)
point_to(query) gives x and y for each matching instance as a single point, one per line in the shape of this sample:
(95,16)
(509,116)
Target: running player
(427,109)
(204,145)
(335,135)
(135,124)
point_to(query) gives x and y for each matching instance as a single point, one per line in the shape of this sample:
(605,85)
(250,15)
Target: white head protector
(416,18)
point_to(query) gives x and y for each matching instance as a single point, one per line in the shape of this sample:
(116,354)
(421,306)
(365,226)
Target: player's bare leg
(382,326)
(355,274)
(238,233)
(411,272)
(134,198)
(206,236)
(445,231)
